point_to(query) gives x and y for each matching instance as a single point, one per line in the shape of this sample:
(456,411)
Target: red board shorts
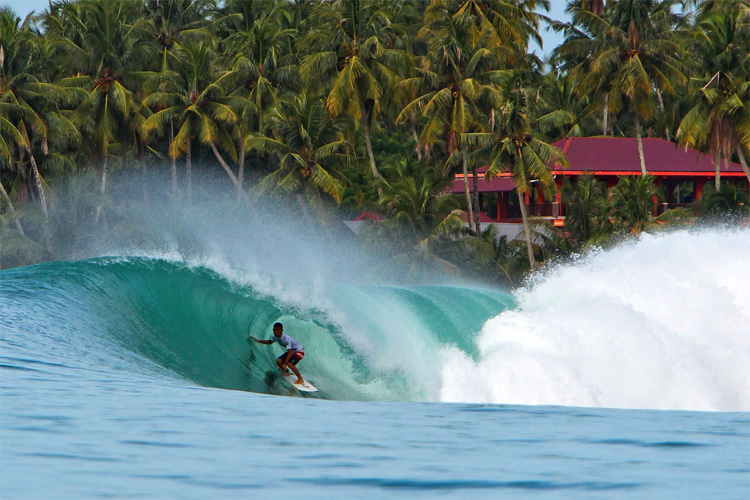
(296,357)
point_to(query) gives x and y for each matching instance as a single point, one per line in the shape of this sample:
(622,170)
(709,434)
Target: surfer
(294,351)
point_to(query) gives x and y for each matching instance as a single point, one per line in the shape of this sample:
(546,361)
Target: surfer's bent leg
(293,360)
(280,363)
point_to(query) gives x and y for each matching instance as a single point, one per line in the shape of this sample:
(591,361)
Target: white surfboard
(305,386)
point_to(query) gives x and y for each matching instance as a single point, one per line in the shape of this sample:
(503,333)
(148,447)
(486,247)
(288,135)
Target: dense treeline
(352,105)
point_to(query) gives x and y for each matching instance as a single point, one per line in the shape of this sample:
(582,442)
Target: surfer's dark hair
(279,325)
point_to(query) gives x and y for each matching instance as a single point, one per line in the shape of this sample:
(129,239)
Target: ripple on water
(157,444)
(409,484)
(69,456)
(645,444)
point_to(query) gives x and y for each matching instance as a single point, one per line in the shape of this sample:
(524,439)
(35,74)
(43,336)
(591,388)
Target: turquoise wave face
(174,320)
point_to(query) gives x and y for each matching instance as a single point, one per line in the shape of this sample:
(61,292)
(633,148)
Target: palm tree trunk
(466,189)
(605,114)
(103,187)
(174,159)
(726,161)
(661,108)
(142,159)
(526,230)
(370,155)
(639,140)
(189,173)
(717,164)
(303,207)
(241,171)
(416,140)
(476,199)
(39,187)
(240,192)
(12,210)
(743,162)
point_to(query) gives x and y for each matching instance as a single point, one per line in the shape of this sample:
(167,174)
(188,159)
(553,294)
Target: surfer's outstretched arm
(266,342)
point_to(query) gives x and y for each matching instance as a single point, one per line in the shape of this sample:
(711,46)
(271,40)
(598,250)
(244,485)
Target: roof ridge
(615,138)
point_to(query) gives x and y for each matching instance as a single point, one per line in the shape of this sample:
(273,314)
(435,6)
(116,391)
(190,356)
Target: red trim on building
(603,173)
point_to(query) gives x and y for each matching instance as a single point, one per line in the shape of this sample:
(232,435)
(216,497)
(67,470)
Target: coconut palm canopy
(320,99)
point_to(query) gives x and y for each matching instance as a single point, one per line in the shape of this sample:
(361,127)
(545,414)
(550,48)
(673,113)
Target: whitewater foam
(662,322)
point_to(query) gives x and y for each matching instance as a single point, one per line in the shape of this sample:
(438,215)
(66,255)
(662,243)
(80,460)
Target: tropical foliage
(345,106)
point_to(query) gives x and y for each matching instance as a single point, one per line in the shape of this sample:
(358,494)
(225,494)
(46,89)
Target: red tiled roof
(620,154)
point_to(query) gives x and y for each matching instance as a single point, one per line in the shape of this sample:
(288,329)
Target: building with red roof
(681,172)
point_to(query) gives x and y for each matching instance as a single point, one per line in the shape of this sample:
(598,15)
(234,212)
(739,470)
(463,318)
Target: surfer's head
(278,329)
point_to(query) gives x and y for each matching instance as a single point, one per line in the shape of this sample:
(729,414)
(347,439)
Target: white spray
(662,322)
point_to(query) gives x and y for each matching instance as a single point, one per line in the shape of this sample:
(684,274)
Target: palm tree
(447,87)
(311,148)
(198,100)
(27,100)
(514,146)
(561,113)
(631,52)
(10,136)
(501,30)
(351,52)
(719,119)
(633,202)
(595,6)
(420,215)
(11,209)
(510,24)
(260,47)
(587,216)
(416,200)
(177,21)
(731,198)
(15,71)
(107,43)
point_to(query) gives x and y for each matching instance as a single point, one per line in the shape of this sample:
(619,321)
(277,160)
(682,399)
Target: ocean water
(621,375)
